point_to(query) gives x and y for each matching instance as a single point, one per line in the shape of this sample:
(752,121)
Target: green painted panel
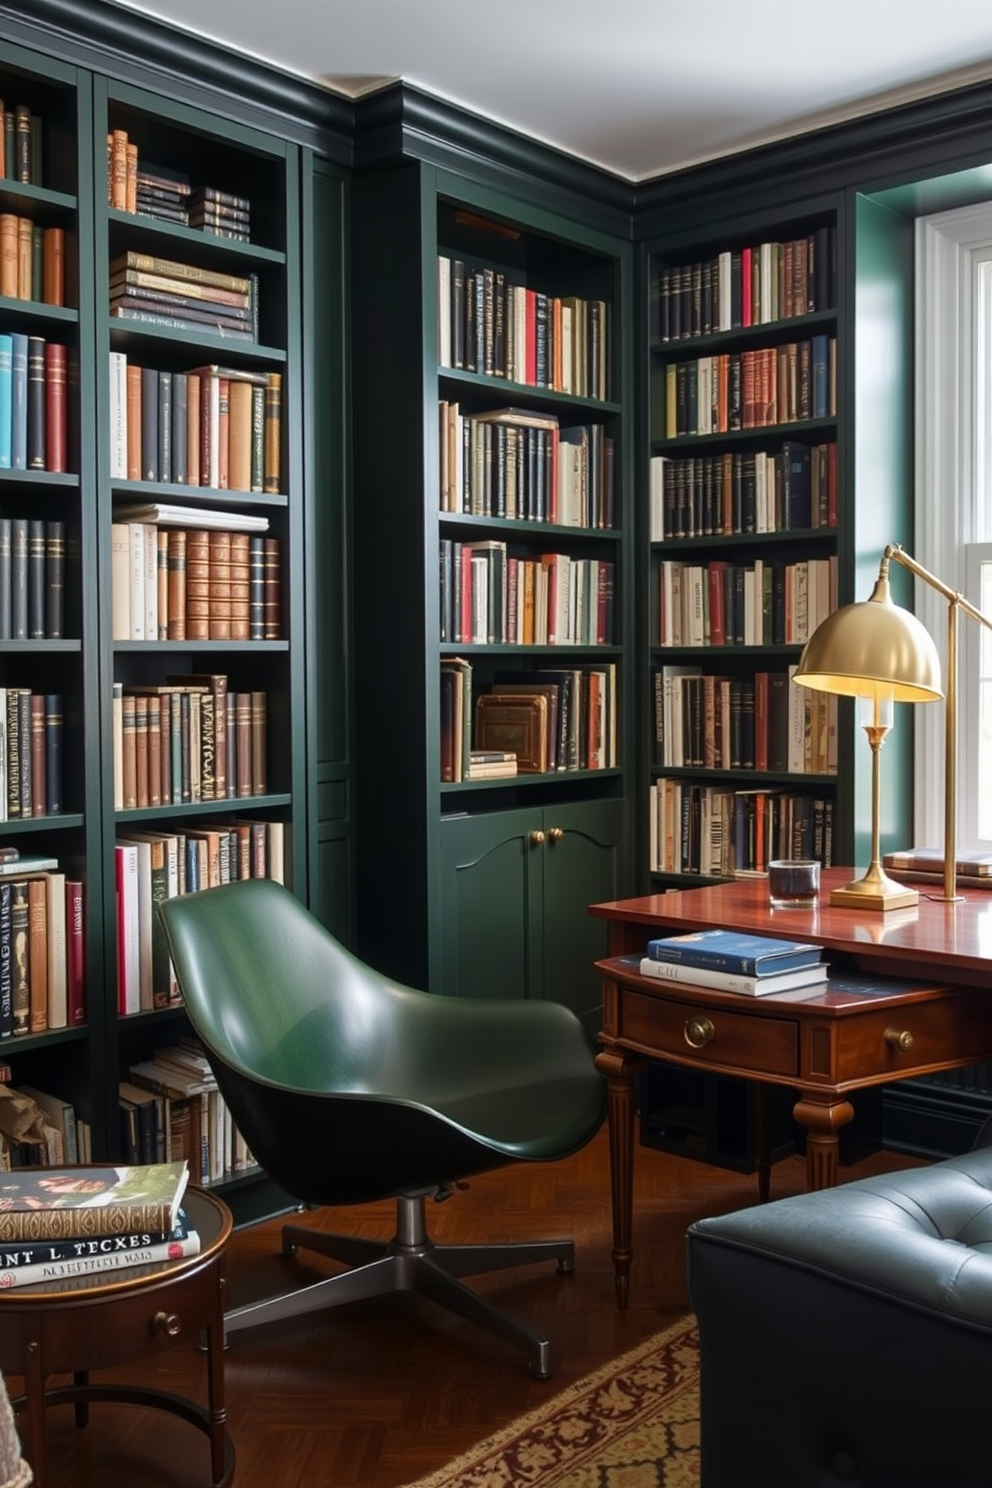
(332,800)
(581,868)
(491,905)
(330,896)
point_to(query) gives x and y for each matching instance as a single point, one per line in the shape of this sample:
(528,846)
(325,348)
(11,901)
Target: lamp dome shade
(872,648)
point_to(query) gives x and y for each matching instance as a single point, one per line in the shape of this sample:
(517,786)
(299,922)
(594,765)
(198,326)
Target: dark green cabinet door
(514,890)
(491,895)
(582,867)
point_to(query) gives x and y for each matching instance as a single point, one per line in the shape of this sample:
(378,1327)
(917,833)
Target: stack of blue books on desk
(733,961)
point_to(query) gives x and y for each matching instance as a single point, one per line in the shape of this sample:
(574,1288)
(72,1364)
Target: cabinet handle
(536,839)
(555,834)
(899,1038)
(167,1323)
(698,1032)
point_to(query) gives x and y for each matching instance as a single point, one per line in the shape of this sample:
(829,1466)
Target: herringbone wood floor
(379,1393)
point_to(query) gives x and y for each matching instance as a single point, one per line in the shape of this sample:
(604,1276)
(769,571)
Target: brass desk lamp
(880,653)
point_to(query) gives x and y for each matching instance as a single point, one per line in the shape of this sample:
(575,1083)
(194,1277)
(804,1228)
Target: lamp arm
(896,553)
(957,603)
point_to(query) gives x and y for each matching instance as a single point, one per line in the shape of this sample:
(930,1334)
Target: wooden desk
(910,993)
(96,1323)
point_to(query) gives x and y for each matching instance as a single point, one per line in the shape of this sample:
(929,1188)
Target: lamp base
(876,891)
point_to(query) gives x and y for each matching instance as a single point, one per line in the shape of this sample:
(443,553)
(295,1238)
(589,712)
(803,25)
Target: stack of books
(221,214)
(972,870)
(732,961)
(57,1224)
(160,291)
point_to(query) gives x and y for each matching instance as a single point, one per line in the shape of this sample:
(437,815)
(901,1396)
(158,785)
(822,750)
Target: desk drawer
(746,1042)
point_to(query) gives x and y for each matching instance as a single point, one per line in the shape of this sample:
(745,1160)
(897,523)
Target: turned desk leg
(763,1139)
(620,1070)
(822,1115)
(216,1409)
(34,1395)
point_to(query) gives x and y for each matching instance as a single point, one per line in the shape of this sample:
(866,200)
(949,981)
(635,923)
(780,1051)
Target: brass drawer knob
(536,839)
(167,1323)
(555,834)
(899,1038)
(698,1032)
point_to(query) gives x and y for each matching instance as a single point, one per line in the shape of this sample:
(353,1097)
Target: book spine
(20,960)
(36,709)
(36,404)
(273,433)
(75,954)
(6,962)
(38,955)
(149,424)
(5,594)
(56,407)
(36,579)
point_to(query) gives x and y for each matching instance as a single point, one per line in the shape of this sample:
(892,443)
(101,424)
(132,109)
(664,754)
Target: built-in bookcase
(500,630)
(192,281)
(744,496)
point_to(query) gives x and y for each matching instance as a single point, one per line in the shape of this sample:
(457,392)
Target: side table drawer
(764,1045)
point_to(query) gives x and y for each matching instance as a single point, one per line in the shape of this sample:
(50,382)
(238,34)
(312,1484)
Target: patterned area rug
(632,1424)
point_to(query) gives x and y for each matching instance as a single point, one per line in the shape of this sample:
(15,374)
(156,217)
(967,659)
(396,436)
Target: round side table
(96,1323)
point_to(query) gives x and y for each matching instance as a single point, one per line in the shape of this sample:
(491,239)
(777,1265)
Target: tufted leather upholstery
(846,1335)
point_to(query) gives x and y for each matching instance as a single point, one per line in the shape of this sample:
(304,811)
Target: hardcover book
(811,976)
(931,860)
(518,726)
(731,950)
(66,1203)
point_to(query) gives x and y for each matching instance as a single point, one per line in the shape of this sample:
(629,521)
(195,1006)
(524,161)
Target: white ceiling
(637,86)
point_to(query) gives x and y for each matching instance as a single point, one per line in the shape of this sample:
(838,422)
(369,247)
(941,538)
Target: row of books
(186,740)
(490,325)
(32,260)
(151,867)
(758,722)
(32,754)
(719,832)
(168,196)
(491,596)
(188,1116)
(22,131)
(60,1223)
(754,389)
(211,426)
(512,463)
(754,285)
(162,291)
(32,579)
(790,489)
(33,412)
(197,584)
(42,952)
(530,721)
(744,604)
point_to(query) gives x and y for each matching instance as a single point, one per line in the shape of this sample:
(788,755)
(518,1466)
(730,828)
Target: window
(954,505)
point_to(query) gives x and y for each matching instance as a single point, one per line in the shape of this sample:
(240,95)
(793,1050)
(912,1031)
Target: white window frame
(953,461)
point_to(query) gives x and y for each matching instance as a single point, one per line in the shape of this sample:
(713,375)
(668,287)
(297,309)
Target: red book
(530,337)
(55,406)
(761,720)
(75,957)
(746,286)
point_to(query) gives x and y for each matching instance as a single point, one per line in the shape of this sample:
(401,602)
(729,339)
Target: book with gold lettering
(60,1203)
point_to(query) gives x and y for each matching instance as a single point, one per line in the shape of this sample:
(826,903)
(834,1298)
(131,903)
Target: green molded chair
(349,1088)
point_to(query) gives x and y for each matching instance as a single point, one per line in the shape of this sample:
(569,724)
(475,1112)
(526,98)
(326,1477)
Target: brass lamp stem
(956,603)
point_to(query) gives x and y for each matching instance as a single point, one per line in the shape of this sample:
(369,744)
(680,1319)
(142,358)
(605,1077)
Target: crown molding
(148,52)
(870,153)
(401,120)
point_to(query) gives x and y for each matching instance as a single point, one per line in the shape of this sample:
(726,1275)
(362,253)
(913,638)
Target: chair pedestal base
(410,1262)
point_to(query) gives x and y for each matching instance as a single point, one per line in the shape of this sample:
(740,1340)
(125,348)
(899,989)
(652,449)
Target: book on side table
(26,1262)
(84,1202)
(734,981)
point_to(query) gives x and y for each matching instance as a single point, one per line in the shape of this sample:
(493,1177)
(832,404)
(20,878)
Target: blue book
(6,397)
(732,950)
(19,402)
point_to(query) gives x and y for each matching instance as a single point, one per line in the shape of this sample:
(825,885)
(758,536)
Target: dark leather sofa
(846,1335)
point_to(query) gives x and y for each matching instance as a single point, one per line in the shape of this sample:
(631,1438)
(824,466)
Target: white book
(798,702)
(120,582)
(166,514)
(118,415)
(128,931)
(443,311)
(151,582)
(136,573)
(3,754)
(733,981)
(724,295)
(657,521)
(115,1261)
